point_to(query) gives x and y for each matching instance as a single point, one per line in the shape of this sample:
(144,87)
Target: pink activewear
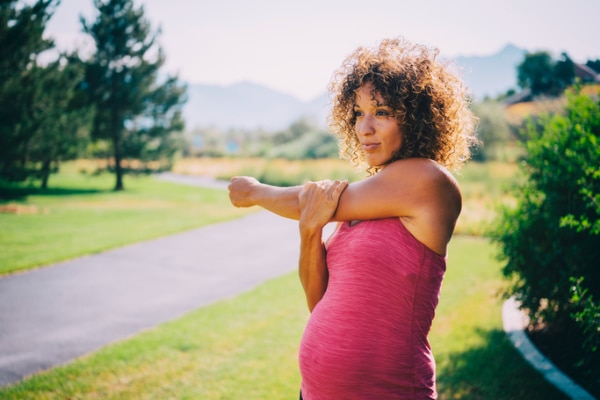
(367,337)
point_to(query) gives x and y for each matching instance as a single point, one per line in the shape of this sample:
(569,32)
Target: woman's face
(376,127)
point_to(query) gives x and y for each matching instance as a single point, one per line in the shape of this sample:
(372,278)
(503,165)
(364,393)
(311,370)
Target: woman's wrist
(310,230)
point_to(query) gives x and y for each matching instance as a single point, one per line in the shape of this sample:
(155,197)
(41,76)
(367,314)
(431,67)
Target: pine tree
(62,119)
(21,41)
(133,110)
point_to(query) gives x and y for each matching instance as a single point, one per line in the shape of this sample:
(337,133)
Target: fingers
(334,189)
(318,202)
(241,189)
(325,192)
(338,190)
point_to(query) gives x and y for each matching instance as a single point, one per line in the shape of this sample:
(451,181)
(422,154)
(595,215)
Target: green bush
(551,239)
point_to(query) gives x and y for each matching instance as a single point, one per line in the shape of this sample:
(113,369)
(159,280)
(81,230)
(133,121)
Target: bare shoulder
(422,172)
(411,188)
(435,201)
(431,185)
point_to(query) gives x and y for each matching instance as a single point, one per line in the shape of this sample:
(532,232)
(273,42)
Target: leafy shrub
(588,317)
(551,240)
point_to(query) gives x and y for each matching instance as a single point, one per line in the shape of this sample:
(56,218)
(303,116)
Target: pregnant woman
(374,285)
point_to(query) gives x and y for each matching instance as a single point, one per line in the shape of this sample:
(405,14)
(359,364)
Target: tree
(21,42)
(564,73)
(133,110)
(543,76)
(550,240)
(535,72)
(594,64)
(61,119)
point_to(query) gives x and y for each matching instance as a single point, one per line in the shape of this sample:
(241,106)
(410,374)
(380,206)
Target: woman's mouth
(368,147)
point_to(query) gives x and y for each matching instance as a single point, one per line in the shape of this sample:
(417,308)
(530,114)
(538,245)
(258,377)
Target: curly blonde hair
(427,96)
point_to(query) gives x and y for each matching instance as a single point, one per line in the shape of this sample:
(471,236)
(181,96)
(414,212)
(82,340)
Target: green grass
(81,214)
(475,359)
(484,187)
(246,347)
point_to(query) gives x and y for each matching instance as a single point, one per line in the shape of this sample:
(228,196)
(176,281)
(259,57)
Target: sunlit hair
(427,96)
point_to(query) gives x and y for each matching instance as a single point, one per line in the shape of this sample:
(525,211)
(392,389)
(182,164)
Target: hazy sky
(294,46)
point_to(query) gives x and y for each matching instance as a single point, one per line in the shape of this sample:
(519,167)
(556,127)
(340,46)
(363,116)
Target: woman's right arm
(245,191)
(313,204)
(318,202)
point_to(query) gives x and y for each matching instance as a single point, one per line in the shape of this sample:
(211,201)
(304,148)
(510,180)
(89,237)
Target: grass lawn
(81,214)
(246,347)
(475,359)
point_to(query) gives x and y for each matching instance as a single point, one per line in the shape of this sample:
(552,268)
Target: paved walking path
(52,315)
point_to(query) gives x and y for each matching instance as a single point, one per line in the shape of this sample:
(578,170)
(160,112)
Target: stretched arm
(246,191)
(318,202)
(418,190)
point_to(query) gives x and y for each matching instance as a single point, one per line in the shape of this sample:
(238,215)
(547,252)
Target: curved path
(54,314)
(514,322)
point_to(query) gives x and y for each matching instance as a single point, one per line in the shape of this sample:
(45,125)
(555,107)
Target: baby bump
(350,346)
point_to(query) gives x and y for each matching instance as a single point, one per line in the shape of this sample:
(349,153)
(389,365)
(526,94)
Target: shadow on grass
(494,370)
(20,193)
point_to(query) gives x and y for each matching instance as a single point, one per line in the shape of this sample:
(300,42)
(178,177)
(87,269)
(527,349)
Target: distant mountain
(491,75)
(247,105)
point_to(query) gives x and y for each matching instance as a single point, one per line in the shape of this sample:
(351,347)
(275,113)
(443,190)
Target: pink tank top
(367,337)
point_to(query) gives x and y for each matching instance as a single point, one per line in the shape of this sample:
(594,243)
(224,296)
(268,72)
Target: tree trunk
(45,174)
(118,168)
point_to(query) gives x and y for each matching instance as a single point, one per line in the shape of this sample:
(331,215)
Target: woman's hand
(318,202)
(241,190)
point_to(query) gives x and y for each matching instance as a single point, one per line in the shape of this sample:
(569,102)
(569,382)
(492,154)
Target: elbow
(312,299)
(311,304)
(314,288)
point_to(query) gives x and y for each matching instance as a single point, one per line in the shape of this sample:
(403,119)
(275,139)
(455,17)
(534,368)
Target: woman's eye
(358,113)
(382,113)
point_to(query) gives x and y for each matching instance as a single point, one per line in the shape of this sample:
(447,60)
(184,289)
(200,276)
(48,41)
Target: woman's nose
(365,125)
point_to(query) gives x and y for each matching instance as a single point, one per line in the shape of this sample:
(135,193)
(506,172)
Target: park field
(80,214)
(246,346)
